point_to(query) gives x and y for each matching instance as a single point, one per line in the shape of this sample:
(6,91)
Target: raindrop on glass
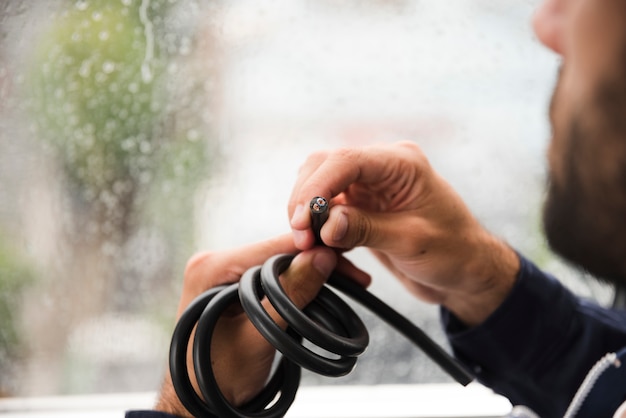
(108,67)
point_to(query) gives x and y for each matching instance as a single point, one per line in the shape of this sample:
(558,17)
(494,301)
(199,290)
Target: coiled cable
(328,323)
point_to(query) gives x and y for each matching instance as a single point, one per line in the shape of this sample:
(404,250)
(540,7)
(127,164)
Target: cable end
(319,214)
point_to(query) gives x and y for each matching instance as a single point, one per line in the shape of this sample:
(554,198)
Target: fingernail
(324,262)
(341,227)
(296,219)
(300,239)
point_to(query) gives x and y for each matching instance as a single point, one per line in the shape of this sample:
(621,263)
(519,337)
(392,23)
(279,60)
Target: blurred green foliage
(99,92)
(101,97)
(96,78)
(15,275)
(100,100)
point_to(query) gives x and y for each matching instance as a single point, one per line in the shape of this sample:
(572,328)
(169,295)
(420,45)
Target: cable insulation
(327,323)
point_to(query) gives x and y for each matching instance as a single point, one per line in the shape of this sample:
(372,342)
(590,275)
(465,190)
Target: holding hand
(242,357)
(388,198)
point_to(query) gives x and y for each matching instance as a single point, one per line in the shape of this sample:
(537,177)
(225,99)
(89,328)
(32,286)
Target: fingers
(398,232)
(302,281)
(242,357)
(314,180)
(307,273)
(326,175)
(390,171)
(209,269)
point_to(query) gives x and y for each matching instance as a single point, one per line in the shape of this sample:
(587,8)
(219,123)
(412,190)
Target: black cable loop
(251,294)
(350,346)
(338,321)
(327,322)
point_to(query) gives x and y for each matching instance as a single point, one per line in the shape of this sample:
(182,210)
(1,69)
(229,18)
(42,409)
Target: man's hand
(242,357)
(388,198)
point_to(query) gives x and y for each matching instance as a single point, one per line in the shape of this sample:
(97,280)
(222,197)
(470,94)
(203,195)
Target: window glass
(136,132)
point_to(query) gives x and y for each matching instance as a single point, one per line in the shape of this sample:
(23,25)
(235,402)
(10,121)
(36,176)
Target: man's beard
(585,211)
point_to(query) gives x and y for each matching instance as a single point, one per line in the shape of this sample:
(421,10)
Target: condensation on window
(134,133)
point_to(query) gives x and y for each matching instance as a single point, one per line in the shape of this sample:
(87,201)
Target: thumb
(348,227)
(307,273)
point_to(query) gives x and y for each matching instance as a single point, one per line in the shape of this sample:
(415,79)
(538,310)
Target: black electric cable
(328,323)
(319,214)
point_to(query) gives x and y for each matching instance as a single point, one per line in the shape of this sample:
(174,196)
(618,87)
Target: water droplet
(85,69)
(133,87)
(96,16)
(111,124)
(193,135)
(146,73)
(172,68)
(128,144)
(126,2)
(145,147)
(89,141)
(145,177)
(185,46)
(104,35)
(82,5)
(108,67)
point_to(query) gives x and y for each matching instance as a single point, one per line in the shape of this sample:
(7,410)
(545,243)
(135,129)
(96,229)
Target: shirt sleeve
(537,347)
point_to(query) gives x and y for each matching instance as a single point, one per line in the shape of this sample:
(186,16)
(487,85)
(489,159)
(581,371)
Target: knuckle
(196,268)
(416,158)
(345,154)
(411,146)
(412,150)
(208,269)
(197,262)
(361,232)
(313,160)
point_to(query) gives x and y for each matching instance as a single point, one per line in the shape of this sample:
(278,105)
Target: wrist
(487,281)
(168,400)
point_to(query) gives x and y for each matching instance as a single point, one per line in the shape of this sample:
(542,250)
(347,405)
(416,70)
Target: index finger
(330,174)
(325,174)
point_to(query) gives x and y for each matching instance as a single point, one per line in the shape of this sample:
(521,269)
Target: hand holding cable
(389,199)
(327,322)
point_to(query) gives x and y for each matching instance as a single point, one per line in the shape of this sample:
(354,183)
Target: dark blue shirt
(538,346)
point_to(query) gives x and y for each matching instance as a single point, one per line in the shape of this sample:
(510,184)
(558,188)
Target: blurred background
(134,133)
